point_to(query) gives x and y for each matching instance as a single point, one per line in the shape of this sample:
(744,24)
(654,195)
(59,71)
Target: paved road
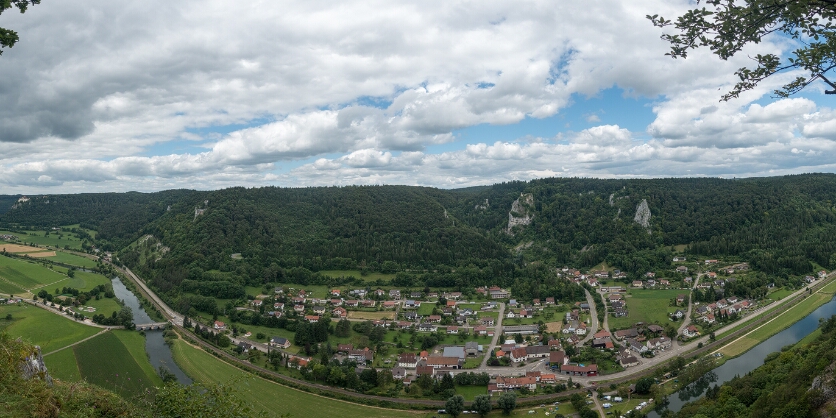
(593,328)
(687,320)
(496,333)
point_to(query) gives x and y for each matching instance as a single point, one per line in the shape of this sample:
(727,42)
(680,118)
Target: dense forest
(796,382)
(213,243)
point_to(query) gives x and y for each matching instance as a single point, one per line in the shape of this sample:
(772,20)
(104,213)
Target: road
(593,312)
(496,333)
(687,320)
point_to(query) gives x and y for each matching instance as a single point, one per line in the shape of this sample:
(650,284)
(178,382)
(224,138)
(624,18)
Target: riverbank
(779,322)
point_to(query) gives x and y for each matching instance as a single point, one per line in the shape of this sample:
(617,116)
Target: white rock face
(520,214)
(643,214)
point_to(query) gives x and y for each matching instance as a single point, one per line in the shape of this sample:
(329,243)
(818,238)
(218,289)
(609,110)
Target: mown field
(26,275)
(72,259)
(43,328)
(106,361)
(269,397)
(648,306)
(55,238)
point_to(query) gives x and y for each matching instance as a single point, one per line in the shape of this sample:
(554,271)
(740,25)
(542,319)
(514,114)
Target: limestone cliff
(521,212)
(643,215)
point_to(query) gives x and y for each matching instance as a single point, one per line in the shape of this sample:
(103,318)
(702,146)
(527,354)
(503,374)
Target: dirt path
(78,342)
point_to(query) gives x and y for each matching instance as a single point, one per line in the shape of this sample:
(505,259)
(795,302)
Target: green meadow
(54,238)
(43,328)
(268,397)
(72,259)
(26,274)
(106,361)
(648,306)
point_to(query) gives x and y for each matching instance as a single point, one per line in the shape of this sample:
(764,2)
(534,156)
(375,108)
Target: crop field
(27,275)
(106,362)
(648,306)
(269,397)
(371,315)
(17,248)
(43,328)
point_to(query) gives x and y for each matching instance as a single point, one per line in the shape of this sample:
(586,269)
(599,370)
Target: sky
(115,96)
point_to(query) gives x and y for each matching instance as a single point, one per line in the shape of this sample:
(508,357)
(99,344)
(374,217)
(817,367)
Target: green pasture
(268,397)
(106,361)
(103,306)
(426,308)
(46,329)
(54,239)
(780,294)
(648,306)
(470,392)
(135,343)
(62,365)
(27,274)
(72,259)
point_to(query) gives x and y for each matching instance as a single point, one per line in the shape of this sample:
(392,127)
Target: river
(159,354)
(750,360)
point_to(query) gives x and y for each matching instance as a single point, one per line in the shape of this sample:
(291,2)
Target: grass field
(73,260)
(269,397)
(648,306)
(135,343)
(105,361)
(103,306)
(470,392)
(43,328)
(55,238)
(62,365)
(26,274)
(780,322)
(780,294)
(83,280)
(426,308)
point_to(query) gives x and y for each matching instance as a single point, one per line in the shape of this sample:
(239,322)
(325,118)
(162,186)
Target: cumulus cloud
(96,94)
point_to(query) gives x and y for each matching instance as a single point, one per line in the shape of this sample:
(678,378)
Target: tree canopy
(727,26)
(8,37)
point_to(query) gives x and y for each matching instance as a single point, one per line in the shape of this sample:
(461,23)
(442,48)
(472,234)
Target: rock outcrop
(521,213)
(643,215)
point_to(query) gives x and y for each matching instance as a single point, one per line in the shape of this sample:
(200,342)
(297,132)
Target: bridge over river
(154,325)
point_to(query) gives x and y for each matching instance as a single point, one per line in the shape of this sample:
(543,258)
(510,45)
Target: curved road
(593,312)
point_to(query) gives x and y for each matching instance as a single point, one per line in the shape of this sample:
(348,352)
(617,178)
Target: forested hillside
(453,238)
(6,203)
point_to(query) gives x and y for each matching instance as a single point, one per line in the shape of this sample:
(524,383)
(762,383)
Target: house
(550,378)
(557,359)
(650,274)
(678,259)
(352,303)
(614,297)
(280,342)
(487,321)
(278,306)
(549,301)
(452,295)
(822,274)
(626,333)
(480,330)
(452,329)
(380,293)
(437,362)
(664,282)
(361,356)
(678,314)
(395,294)
(447,311)
(471,348)
(690,332)
(398,373)
(536,302)
(389,304)
(220,326)
(344,348)
(319,310)
(411,304)
(519,355)
(655,328)
(335,292)
(336,302)
(422,370)
(555,345)
(681,269)
(661,343)
(636,346)
(680,299)
(339,312)
(404,324)
(708,319)
(424,327)
(312,318)
(627,359)
(244,347)
(511,383)
(298,362)
(408,360)
(410,315)
(257,303)
(688,280)
(638,283)
(510,315)
(576,370)
(368,303)
(498,293)
(434,319)
(709,262)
